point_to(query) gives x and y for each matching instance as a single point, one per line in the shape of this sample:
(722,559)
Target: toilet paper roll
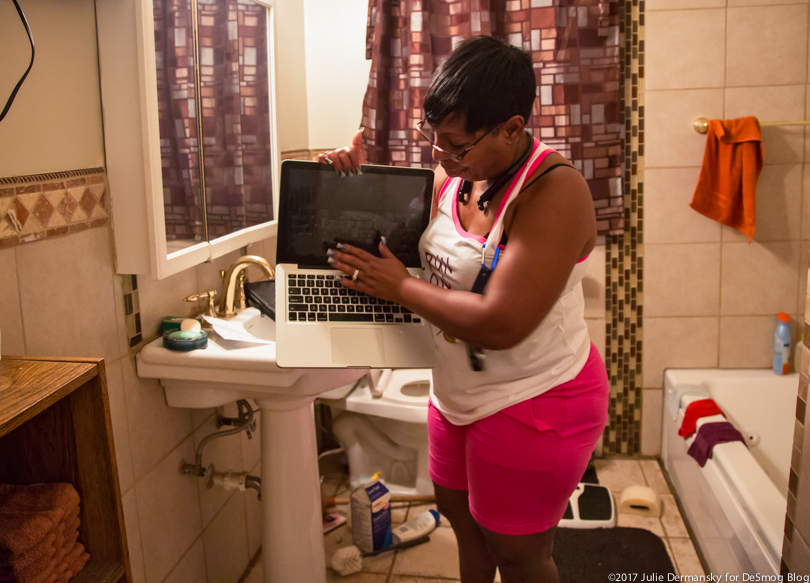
(640,500)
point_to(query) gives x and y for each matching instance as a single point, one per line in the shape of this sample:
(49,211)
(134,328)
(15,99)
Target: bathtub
(735,505)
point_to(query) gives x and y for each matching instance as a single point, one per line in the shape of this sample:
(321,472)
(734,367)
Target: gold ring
(356,273)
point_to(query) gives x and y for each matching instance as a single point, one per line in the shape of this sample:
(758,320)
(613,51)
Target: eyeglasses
(420,127)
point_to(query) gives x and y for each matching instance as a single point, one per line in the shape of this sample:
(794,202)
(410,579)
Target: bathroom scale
(319,322)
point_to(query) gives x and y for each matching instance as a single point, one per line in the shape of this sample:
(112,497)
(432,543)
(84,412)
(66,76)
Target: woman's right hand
(346,159)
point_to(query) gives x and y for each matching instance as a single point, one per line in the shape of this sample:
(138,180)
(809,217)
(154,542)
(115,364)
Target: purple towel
(709,435)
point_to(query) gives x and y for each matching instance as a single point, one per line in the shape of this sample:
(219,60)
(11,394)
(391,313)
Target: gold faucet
(231,277)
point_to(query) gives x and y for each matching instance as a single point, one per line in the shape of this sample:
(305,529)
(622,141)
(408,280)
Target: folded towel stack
(39,532)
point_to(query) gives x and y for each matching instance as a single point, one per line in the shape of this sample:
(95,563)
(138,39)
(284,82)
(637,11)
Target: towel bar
(701,124)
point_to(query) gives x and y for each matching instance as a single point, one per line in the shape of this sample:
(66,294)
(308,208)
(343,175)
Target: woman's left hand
(380,277)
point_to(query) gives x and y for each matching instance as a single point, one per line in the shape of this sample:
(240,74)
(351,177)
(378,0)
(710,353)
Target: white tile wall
(718,307)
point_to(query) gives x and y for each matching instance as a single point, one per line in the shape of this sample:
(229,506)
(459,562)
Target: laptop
(319,322)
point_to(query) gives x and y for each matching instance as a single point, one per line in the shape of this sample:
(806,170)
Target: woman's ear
(513,128)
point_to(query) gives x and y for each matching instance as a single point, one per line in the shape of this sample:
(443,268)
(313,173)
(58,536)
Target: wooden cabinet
(55,427)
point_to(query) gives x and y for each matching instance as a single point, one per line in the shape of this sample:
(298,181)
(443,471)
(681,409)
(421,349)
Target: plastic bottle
(781,345)
(419,526)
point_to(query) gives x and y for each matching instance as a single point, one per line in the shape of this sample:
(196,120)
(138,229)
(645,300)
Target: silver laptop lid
(318,209)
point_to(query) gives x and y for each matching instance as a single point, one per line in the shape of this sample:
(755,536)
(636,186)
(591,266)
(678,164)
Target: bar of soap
(190,325)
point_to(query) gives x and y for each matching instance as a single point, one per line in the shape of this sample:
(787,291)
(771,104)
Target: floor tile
(654,476)
(412,579)
(671,556)
(671,518)
(436,558)
(332,577)
(617,474)
(686,557)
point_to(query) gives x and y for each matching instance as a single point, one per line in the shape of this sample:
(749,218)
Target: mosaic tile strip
(37,206)
(797,453)
(575,51)
(624,255)
(132,310)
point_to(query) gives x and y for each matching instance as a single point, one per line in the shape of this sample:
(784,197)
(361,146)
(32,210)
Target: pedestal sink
(292,530)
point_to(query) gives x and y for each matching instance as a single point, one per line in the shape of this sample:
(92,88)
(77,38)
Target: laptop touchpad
(357,346)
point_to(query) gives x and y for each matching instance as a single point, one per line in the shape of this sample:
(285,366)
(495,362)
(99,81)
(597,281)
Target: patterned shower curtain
(575,49)
(232,73)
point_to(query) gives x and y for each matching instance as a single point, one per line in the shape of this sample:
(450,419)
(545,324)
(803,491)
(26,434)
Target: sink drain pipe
(229,480)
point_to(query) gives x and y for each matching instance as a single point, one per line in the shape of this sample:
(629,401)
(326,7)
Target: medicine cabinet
(172,72)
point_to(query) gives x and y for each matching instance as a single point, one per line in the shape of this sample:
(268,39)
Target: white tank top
(553,354)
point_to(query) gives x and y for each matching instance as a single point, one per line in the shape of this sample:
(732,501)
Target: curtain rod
(701,124)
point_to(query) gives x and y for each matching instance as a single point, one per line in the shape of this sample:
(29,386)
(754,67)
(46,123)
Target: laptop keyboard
(322,298)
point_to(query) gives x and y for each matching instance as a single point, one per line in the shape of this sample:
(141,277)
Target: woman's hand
(346,160)
(380,277)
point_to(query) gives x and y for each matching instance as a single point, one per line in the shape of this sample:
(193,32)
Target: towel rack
(701,124)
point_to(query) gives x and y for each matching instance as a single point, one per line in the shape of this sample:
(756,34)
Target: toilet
(381,422)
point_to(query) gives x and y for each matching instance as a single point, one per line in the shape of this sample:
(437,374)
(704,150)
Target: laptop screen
(318,209)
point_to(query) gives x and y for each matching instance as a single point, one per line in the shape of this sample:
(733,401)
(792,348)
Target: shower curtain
(574,46)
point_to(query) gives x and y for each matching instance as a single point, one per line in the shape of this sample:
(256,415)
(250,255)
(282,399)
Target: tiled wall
(710,297)
(60,296)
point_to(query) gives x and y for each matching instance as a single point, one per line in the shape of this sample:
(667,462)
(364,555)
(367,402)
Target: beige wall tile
(782,144)
(208,275)
(806,203)
(668,216)
(11,325)
(226,545)
(800,554)
(802,517)
(735,3)
(191,567)
(120,317)
(593,284)
(155,429)
(67,296)
(253,511)
(746,341)
(653,5)
(678,343)
(685,49)
(671,141)
(681,279)
(804,257)
(760,278)
(596,330)
(767,45)
(651,411)
(118,415)
(778,205)
(133,529)
(161,298)
(226,454)
(169,513)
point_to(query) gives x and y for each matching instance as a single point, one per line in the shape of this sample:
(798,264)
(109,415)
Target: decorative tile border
(624,255)
(37,206)
(797,453)
(132,310)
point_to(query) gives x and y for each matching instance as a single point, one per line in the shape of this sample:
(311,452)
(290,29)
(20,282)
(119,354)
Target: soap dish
(185,341)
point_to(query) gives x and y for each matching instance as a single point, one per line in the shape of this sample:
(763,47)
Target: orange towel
(726,189)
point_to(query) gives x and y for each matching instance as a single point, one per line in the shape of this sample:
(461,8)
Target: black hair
(486,80)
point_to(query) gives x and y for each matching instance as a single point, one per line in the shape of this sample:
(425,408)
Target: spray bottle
(781,345)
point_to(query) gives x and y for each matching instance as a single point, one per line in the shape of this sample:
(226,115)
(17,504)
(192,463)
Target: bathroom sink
(228,370)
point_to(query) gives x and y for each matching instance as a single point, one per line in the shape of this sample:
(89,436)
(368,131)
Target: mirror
(213,81)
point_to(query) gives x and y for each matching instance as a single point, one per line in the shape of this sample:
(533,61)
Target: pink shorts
(521,464)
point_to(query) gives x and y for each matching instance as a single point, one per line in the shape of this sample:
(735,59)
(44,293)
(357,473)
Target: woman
(519,395)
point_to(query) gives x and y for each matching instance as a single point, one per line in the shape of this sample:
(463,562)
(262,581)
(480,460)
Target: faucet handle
(209,295)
